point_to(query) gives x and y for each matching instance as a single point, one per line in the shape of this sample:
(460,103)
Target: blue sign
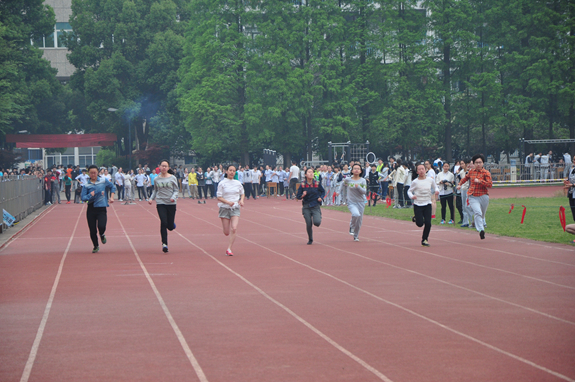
(8,219)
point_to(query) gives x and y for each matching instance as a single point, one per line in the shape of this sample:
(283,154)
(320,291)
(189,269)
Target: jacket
(99,187)
(314,191)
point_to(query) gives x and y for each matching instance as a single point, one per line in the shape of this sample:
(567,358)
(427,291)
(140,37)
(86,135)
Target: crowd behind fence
(531,173)
(20,195)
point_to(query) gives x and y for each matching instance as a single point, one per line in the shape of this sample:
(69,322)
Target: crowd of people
(463,188)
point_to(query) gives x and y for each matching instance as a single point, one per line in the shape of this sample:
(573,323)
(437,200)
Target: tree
(30,96)
(127,54)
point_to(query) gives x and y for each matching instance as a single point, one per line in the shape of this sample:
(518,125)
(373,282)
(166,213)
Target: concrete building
(53,45)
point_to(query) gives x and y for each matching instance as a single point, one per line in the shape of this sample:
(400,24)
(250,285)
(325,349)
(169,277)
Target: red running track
(382,309)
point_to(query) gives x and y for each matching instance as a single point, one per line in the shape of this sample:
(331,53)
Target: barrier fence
(527,174)
(20,196)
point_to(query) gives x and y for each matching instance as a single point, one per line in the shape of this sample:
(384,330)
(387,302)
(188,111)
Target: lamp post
(113,110)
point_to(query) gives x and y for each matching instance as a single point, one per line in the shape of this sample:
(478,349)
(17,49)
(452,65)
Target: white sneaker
(356,239)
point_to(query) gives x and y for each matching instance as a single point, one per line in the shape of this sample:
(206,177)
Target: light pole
(113,110)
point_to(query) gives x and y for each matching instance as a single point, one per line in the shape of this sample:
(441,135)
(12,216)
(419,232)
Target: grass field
(541,218)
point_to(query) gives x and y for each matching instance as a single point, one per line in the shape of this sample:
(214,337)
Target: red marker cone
(524,211)
(562,217)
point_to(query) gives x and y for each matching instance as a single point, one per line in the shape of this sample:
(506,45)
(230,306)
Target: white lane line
(294,315)
(428,253)
(194,362)
(448,231)
(40,332)
(289,311)
(432,321)
(429,277)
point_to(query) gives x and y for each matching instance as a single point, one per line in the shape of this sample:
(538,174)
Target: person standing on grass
(373,180)
(570,186)
(311,193)
(445,182)
(478,193)
(422,192)
(165,194)
(231,197)
(94,193)
(459,193)
(356,189)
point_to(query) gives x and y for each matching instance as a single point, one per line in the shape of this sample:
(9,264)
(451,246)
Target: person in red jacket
(478,192)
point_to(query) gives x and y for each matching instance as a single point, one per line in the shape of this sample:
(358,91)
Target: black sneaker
(425,243)
(482,235)
(95,250)
(413,219)
(310,242)
(199,202)
(165,248)
(103,238)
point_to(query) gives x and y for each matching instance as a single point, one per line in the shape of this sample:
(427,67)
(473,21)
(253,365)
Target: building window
(48,41)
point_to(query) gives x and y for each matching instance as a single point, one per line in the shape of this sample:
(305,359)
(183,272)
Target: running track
(383,309)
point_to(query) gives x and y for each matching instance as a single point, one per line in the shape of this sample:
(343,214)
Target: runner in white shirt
(293,180)
(231,198)
(422,192)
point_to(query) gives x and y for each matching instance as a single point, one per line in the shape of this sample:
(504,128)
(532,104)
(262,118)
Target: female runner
(165,193)
(231,197)
(356,190)
(311,193)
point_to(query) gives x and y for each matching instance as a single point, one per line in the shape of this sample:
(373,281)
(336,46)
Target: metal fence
(20,196)
(532,173)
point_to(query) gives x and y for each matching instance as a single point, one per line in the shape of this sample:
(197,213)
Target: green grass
(541,219)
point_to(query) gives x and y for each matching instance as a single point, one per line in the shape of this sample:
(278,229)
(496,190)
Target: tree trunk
(447,104)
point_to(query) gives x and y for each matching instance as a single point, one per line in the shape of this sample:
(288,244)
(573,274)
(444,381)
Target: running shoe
(165,248)
(68,202)
(96,249)
(199,202)
(460,222)
(174,225)
(229,253)
(465,225)
(450,222)
(413,219)
(103,238)
(310,242)
(356,239)
(425,243)
(350,231)
(482,235)
(442,221)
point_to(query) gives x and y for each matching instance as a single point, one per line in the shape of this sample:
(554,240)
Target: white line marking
(40,333)
(521,359)
(194,362)
(440,256)
(300,319)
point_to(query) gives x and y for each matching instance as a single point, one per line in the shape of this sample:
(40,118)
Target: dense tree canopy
(227,78)
(30,96)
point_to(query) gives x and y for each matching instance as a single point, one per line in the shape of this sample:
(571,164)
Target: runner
(94,192)
(478,193)
(422,192)
(311,193)
(231,197)
(356,190)
(165,193)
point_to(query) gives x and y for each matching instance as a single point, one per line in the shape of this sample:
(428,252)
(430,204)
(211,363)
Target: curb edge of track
(24,228)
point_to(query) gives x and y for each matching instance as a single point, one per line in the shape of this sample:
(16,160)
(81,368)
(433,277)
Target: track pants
(423,217)
(167,214)
(479,206)
(356,210)
(97,218)
(311,216)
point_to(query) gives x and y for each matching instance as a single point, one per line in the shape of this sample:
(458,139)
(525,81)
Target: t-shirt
(119,177)
(256,176)
(165,189)
(268,174)
(230,190)
(422,189)
(294,172)
(356,190)
(140,179)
